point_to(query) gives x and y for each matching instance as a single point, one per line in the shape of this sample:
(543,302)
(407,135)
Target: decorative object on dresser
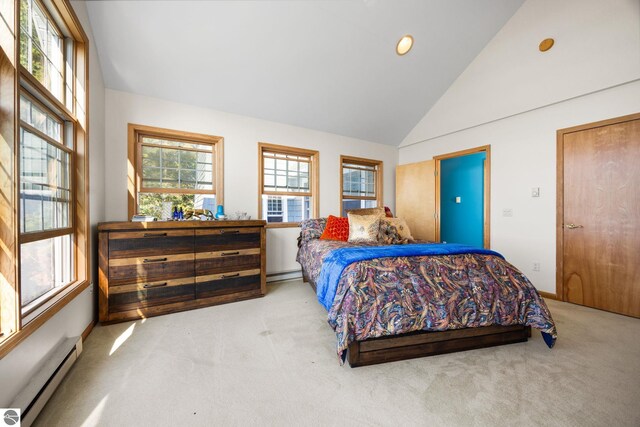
(153,268)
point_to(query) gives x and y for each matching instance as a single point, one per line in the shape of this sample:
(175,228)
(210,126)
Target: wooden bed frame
(426,343)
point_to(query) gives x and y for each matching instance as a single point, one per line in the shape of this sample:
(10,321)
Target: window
(174,169)
(274,209)
(288,181)
(41,46)
(43,184)
(360,183)
(46,198)
(45,170)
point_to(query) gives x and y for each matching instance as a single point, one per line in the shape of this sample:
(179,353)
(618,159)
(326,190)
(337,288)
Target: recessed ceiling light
(404,45)
(545,45)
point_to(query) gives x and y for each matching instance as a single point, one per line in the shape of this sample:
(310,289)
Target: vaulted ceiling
(324,65)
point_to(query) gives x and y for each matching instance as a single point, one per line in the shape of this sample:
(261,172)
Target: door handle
(573,226)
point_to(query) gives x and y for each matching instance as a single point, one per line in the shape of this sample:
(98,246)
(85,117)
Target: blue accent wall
(462,177)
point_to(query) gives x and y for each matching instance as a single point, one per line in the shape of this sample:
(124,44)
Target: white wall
(241,135)
(17,367)
(597,46)
(515,98)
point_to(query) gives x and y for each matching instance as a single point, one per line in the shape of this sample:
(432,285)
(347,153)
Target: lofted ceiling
(324,65)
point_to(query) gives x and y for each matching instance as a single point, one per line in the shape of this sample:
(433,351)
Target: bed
(395,302)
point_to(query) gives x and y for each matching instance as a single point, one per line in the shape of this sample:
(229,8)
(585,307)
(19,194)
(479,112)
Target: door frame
(487,189)
(560,133)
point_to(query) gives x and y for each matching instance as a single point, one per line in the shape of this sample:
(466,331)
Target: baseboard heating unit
(35,395)
(284,275)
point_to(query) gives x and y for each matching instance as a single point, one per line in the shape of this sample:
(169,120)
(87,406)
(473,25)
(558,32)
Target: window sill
(283,225)
(44,302)
(63,298)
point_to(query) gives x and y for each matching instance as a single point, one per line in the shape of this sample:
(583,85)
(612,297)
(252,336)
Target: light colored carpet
(271,361)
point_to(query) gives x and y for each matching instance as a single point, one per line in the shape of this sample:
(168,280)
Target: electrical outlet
(507,212)
(536,266)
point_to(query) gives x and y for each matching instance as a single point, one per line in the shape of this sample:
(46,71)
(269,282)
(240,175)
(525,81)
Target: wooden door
(416,198)
(599,215)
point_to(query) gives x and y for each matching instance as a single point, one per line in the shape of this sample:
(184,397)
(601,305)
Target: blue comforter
(337,260)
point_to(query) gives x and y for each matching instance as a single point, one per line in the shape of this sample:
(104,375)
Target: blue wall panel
(463,221)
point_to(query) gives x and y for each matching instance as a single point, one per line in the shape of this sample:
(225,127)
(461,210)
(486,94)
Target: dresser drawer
(131,296)
(226,261)
(222,239)
(128,244)
(227,283)
(141,269)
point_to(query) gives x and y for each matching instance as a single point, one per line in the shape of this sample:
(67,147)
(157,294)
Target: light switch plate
(535,192)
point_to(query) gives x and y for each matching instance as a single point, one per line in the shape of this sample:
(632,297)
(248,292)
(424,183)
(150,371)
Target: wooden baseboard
(548,295)
(88,330)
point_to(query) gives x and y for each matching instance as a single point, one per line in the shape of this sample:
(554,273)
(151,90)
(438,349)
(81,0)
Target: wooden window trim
(46,137)
(379,164)
(44,96)
(43,235)
(314,157)
(134,180)
(13,77)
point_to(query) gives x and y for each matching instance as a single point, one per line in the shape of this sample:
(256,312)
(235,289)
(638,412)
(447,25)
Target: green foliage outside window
(152,203)
(36,54)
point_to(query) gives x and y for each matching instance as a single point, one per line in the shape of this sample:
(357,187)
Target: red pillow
(336,229)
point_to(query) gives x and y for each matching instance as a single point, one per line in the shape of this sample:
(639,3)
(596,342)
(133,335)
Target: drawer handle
(147,260)
(227,276)
(230,253)
(154,234)
(229,231)
(157,285)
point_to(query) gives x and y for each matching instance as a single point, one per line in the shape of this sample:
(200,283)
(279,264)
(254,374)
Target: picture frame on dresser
(153,268)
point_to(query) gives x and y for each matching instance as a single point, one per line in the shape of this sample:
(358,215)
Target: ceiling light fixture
(546,44)
(404,45)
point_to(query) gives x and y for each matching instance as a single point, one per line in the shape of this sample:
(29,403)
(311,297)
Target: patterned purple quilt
(396,295)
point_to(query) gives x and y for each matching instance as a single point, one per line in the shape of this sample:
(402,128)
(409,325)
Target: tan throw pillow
(402,226)
(394,231)
(367,211)
(363,228)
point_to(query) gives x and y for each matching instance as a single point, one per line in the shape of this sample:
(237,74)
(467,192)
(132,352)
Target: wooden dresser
(152,268)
